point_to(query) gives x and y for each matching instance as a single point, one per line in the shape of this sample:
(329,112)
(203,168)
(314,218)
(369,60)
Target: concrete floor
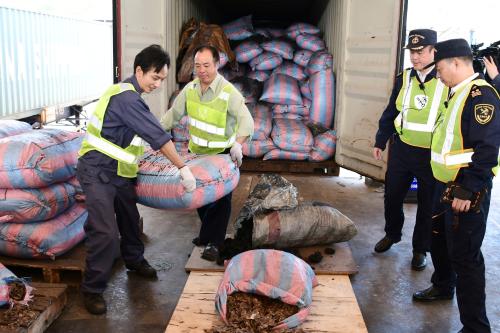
(383,286)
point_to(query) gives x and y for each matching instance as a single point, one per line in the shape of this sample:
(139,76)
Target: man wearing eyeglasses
(414,106)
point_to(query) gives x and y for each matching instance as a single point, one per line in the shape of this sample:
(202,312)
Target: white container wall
(51,61)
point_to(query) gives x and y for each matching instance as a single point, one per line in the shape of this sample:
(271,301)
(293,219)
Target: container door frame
(372,39)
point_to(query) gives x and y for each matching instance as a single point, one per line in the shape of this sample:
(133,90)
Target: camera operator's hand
(491,67)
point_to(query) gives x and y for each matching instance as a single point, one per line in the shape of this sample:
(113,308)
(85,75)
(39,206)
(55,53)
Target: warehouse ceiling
(265,11)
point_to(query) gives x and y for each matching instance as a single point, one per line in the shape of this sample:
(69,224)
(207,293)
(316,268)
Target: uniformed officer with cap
(415,104)
(464,150)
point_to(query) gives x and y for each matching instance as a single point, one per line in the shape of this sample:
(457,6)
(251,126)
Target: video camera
(479,53)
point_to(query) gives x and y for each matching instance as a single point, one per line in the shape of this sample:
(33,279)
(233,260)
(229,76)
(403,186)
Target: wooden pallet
(48,301)
(334,308)
(326,168)
(342,262)
(72,262)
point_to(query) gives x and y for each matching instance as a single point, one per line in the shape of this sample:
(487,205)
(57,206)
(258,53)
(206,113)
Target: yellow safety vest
(418,109)
(207,121)
(127,157)
(447,151)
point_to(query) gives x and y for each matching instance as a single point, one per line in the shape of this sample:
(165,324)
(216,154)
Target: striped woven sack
(13,127)
(290,116)
(297,110)
(180,132)
(260,76)
(320,61)
(324,146)
(266,61)
(8,279)
(281,47)
(182,147)
(47,239)
(33,205)
(292,135)
(291,69)
(301,28)
(159,184)
(262,32)
(257,148)
(302,57)
(223,59)
(323,98)
(305,89)
(263,121)
(310,42)
(247,50)
(281,89)
(38,158)
(279,154)
(275,274)
(239,29)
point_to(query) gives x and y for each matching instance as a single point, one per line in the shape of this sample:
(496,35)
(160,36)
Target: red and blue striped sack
(260,76)
(182,147)
(7,278)
(323,93)
(38,204)
(292,135)
(257,148)
(290,116)
(180,132)
(301,28)
(281,89)
(272,273)
(247,50)
(280,154)
(281,47)
(324,146)
(239,29)
(13,127)
(38,158)
(263,121)
(223,59)
(262,32)
(266,61)
(298,110)
(310,42)
(320,61)
(47,239)
(291,69)
(302,57)
(305,89)
(159,183)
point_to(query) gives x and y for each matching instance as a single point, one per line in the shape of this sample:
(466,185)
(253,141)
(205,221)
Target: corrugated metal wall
(51,61)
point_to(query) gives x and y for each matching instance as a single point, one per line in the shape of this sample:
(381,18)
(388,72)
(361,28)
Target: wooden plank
(334,308)
(327,168)
(342,262)
(73,261)
(49,300)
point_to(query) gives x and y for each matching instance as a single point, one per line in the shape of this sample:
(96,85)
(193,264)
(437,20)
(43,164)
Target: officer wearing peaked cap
(464,150)
(415,104)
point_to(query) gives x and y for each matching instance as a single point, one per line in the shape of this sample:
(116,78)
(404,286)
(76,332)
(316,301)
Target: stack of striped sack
(13,289)
(39,214)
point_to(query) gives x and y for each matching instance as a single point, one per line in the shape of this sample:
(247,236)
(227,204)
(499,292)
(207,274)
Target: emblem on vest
(420,101)
(483,113)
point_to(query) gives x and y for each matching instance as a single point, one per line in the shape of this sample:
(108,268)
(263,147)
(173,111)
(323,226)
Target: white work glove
(187,179)
(236,153)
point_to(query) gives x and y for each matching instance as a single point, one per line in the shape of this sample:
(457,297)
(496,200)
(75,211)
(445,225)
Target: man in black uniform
(413,108)
(464,150)
(107,170)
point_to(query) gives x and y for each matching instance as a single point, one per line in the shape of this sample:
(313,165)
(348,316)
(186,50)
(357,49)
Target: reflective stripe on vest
(447,153)
(418,133)
(213,144)
(207,127)
(104,145)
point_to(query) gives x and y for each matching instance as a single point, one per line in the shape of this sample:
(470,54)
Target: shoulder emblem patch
(475,91)
(483,113)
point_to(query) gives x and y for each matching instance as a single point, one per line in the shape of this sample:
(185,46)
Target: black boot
(211,252)
(94,303)
(418,261)
(384,244)
(432,294)
(142,268)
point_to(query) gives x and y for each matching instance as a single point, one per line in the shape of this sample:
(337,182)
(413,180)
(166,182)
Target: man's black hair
(152,57)
(215,52)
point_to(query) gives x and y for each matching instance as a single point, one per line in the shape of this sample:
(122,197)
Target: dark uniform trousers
(112,206)
(458,261)
(214,220)
(406,162)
